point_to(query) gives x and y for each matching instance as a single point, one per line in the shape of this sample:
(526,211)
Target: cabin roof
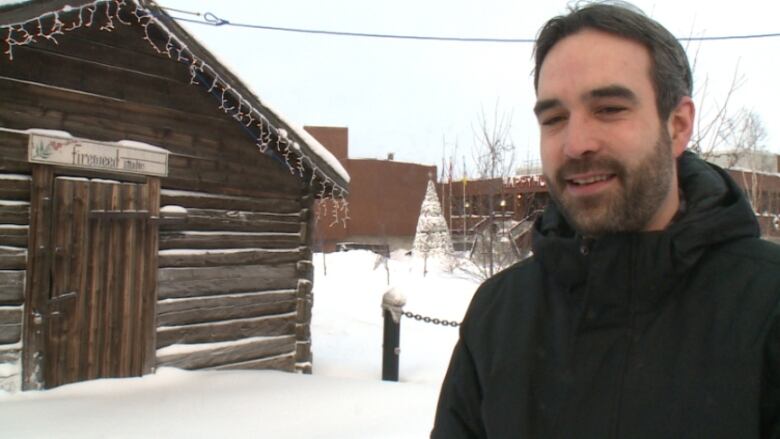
(307,151)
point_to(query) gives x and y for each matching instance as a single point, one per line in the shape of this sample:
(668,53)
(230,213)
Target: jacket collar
(715,213)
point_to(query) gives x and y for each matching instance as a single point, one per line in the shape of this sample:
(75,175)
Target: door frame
(40,262)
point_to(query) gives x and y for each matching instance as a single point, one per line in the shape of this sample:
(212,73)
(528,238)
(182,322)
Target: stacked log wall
(230,281)
(14,230)
(230,275)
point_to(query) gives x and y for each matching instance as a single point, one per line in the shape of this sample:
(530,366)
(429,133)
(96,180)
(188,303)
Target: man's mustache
(590,164)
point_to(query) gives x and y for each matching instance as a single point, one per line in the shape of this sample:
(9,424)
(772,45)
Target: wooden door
(99,309)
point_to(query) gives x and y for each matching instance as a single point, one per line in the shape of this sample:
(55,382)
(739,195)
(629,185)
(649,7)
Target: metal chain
(435,321)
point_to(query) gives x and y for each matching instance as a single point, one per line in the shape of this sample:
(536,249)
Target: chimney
(390,156)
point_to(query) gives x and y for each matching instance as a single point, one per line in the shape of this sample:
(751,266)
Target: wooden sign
(125,157)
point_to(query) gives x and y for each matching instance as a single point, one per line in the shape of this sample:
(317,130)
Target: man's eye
(552,120)
(611,110)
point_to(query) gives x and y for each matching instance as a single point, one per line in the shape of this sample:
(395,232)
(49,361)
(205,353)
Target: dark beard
(642,193)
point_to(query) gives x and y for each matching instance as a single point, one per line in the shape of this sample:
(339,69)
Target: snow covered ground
(344,398)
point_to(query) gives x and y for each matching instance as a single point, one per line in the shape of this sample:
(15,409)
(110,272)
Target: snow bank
(343,399)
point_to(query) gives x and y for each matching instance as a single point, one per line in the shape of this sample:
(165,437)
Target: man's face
(607,157)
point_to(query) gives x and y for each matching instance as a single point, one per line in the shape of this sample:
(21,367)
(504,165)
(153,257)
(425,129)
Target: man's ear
(680,124)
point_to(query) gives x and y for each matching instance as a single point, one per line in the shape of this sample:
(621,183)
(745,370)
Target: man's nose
(580,138)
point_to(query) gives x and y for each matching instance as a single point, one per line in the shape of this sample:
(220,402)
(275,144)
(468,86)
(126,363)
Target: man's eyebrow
(611,91)
(545,104)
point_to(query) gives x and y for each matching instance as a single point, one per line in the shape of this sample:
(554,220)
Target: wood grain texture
(37,277)
(10,324)
(226,330)
(12,258)
(228,257)
(215,308)
(12,283)
(192,282)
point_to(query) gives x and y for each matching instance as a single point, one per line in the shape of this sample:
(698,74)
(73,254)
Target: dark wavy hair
(670,71)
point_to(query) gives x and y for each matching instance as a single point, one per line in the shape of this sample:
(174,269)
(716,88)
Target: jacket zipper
(629,336)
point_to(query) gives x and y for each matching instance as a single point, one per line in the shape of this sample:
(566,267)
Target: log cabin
(153,210)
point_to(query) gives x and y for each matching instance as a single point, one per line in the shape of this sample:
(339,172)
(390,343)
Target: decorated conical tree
(432,237)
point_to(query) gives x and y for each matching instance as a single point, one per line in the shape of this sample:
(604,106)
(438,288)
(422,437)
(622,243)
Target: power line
(210,19)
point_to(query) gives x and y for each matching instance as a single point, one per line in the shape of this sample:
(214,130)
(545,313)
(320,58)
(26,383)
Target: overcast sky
(412,97)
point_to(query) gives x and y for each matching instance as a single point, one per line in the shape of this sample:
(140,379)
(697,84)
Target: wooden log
(97,49)
(12,258)
(207,240)
(210,258)
(12,286)
(283,324)
(11,165)
(303,331)
(235,166)
(284,362)
(305,269)
(13,235)
(303,352)
(304,288)
(10,353)
(192,199)
(191,282)
(22,106)
(225,307)
(15,187)
(106,80)
(235,220)
(174,275)
(129,38)
(14,212)
(303,309)
(195,141)
(260,191)
(13,146)
(10,324)
(265,174)
(217,354)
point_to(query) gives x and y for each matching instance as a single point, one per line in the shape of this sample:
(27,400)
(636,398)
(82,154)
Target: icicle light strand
(17,34)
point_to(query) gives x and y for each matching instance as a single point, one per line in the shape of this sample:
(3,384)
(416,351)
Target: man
(650,309)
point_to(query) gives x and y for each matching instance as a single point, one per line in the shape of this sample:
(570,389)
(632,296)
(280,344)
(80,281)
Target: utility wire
(212,20)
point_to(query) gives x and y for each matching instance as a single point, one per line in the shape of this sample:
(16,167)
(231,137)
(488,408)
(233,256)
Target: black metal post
(391,347)
(392,308)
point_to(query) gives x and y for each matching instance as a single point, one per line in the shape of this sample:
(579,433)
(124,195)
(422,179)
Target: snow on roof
(172,208)
(66,135)
(141,145)
(12,2)
(45,132)
(15,177)
(314,145)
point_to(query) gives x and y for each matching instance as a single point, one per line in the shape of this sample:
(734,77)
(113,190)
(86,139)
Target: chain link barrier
(426,319)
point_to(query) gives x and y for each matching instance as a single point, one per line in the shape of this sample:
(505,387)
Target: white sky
(411,97)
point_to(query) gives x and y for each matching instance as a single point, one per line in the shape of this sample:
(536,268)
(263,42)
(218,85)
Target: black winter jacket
(671,334)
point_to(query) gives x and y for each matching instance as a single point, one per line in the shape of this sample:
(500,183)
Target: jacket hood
(716,212)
